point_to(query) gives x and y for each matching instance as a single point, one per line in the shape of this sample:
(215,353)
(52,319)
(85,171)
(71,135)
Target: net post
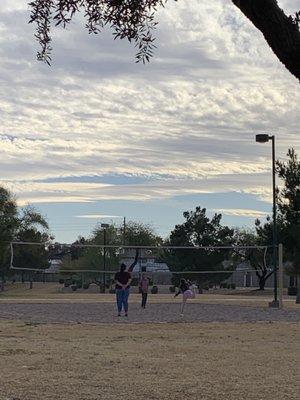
(280,274)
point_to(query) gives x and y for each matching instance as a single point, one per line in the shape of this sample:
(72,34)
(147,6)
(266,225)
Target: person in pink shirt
(144,286)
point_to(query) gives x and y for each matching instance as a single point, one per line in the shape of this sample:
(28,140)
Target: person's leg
(125,300)
(142,304)
(193,289)
(145,299)
(119,300)
(183,305)
(184,299)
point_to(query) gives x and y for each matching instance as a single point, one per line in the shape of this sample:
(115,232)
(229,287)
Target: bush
(232,286)
(67,283)
(112,291)
(211,285)
(292,291)
(61,281)
(172,289)
(79,284)
(154,290)
(74,288)
(85,285)
(225,285)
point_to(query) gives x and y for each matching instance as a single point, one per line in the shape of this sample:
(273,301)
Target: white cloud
(190,115)
(97,216)
(240,212)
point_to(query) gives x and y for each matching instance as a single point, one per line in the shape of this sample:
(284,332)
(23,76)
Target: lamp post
(264,138)
(104,226)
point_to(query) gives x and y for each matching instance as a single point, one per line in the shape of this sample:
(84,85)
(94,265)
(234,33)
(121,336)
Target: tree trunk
(262,283)
(298,292)
(2,281)
(279,30)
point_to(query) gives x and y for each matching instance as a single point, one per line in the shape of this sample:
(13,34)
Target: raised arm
(130,269)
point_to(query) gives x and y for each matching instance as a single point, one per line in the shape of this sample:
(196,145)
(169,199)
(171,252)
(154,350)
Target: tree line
(198,229)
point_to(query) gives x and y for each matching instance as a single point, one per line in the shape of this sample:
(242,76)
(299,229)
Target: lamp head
(262,138)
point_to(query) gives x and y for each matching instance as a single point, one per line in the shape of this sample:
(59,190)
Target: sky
(96,137)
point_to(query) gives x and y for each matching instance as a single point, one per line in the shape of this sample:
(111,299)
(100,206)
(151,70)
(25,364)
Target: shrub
(86,285)
(232,286)
(67,283)
(211,285)
(225,285)
(172,289)
(74,288)
(79,284)
(154,290)
(61,281)
(112,291)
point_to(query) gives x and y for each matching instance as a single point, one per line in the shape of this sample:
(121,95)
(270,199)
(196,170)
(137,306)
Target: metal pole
(104,258)
(280,274)
(274,221)
(275,302)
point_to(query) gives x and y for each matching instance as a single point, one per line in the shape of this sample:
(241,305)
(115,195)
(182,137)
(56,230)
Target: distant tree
(134,20)
(32,227)
(8,226)
(199,230)
(141,234)
(136,234)
(260,259)
(26,225)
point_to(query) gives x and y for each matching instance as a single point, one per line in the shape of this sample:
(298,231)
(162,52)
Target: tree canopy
(288,203)
(91,258)
(21,225)
(199,230)
(134,20)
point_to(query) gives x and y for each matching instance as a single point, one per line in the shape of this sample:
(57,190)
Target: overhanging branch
(280,31)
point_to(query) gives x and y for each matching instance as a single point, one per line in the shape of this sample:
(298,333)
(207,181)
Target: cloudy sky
(96,137)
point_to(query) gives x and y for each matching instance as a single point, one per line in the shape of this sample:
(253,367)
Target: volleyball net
(79,265)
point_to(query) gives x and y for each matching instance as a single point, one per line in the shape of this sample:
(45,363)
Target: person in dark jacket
(188,292)
(123,280)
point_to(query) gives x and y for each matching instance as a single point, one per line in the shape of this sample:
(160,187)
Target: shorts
(188,294)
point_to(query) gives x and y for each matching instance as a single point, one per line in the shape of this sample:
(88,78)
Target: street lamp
(104,226)
(264,138)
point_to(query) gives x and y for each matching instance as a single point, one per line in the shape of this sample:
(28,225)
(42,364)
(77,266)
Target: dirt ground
(209,361)
(72,346)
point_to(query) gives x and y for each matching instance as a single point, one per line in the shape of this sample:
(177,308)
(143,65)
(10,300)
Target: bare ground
(228,361)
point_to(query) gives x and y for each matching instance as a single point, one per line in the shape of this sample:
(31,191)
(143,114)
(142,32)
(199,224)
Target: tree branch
(280,31)
(269,274)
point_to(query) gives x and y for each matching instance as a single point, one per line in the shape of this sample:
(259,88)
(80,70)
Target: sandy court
(230,361)
(105,312)
(48,304)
